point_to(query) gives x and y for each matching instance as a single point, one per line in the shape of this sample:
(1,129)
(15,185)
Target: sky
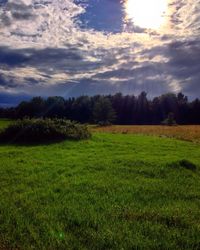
(87,47)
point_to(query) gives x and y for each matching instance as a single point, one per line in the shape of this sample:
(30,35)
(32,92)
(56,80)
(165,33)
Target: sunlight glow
(146,13)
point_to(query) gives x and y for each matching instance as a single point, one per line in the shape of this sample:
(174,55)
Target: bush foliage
(43,130)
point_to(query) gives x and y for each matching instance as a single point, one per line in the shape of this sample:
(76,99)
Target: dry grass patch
(188,133)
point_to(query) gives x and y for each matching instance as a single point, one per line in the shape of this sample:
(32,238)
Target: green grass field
(114,191)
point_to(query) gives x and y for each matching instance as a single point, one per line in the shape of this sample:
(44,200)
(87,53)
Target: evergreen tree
(103,112)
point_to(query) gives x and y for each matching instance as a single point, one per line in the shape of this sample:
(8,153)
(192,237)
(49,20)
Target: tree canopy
(117,109)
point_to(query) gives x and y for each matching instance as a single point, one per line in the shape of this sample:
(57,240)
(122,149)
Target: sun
(148,14)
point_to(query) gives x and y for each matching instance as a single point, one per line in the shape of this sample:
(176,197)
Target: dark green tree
(55,106)
(37,106)
(169,121)
(103,112)
(82,109)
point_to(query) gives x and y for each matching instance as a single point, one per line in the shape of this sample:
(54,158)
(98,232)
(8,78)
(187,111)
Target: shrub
(43,130)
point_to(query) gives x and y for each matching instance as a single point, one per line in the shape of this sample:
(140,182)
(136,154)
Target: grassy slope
(111,192)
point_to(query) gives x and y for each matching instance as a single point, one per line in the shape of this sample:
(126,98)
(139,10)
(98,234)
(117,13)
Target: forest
(111,109)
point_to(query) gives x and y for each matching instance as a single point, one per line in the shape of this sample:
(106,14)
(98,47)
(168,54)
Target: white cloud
(55,50)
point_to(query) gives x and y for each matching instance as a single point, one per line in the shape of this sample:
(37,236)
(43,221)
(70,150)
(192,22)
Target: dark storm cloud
(12,99)
(51,60)
(31,81)
(148,69)
(38,58)
(5,20)
(15,11)
(7,82)
(20,11)
(90,86)
(3,81)
(185,54)
(184,64)
(12,57)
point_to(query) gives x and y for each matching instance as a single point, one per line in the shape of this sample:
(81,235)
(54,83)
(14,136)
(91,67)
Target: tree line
(117,109)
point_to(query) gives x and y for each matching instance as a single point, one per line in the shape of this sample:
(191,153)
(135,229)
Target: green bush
(43,130)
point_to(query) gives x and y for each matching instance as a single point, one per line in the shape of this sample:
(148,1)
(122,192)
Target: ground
(187,133)
(114,191)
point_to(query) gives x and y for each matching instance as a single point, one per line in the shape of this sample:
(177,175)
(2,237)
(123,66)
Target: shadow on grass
(33,143)
(36,142)
(183,164)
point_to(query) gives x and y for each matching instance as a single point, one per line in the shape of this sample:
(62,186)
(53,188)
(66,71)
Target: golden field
(187,132)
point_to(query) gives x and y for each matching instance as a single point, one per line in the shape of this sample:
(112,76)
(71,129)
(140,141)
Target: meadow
(117,190)
(187,133)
